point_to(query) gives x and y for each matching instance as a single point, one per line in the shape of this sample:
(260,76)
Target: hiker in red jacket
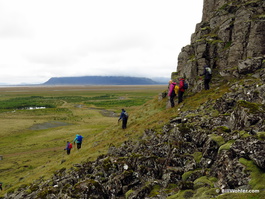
(171,92)
(68,147)
(181,90)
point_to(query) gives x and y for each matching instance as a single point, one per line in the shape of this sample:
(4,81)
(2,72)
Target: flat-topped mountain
(100,80)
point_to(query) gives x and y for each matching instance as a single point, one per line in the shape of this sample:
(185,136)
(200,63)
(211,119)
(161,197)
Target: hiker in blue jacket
(124,118)
(78,140)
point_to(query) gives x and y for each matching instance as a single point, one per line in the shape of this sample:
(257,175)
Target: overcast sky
(40,39)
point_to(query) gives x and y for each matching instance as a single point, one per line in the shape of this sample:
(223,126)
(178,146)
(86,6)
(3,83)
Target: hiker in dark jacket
(171,92)
(68,148)
(207,72)
(78,140)
(181,90)
(124,118)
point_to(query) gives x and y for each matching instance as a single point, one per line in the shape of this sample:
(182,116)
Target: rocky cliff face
(199,153)
(229,39)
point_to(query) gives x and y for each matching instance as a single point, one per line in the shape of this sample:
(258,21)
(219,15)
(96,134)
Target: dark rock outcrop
(229,39)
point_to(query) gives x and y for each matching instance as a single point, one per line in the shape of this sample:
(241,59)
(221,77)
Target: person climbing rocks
(124,117)
(68,148)
(1,184)
(207,73)
(171,92)
(78,140)
(181,89)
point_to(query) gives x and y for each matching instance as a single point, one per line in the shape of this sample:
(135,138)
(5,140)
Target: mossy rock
(155,191)
(34,188)
(184,128)
(252,107)
(244,134)
(185,185)
(45,192)
(203,182)
(218,139)
(197,156)
(205,193)
(182,195)
(128,193)
(226,146)
(223,129)
(187,174)
(257,175)
(261,136)
(22,187)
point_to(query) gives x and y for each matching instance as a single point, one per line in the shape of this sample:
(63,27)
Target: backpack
(176,89)
(70,146)
(79,138)
(208,70)
(126,114)
(186,85)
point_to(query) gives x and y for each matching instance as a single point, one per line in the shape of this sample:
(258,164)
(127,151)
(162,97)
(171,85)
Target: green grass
(32,154)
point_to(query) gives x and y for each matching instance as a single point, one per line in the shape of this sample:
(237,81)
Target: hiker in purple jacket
(171,92)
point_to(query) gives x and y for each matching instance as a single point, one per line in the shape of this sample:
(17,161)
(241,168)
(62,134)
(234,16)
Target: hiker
(68,147)
(207,76)
(1,184)
(78,140)
(181,89)
(124,117)
(171,92)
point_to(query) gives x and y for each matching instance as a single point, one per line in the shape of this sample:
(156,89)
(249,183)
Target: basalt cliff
(229,39)
(205,150)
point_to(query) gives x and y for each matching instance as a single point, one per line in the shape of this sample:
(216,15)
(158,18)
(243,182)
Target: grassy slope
(31,154)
